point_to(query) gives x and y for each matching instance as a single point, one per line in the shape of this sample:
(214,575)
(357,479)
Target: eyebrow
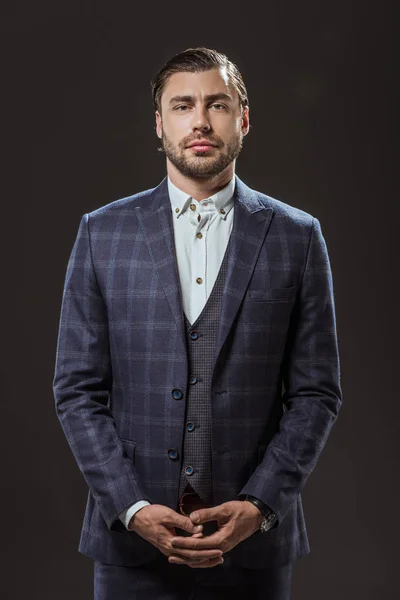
(209,98)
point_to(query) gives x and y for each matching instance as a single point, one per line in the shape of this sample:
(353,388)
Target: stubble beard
(201,165)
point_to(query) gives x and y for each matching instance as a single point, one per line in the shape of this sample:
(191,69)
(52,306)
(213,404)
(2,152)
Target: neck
(197,188)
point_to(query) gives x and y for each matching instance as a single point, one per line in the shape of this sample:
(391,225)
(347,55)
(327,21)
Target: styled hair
(195,60)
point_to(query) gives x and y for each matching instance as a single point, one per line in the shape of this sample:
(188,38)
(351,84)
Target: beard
(201,165)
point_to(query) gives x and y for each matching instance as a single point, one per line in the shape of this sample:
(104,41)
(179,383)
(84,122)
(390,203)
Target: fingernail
(198,528)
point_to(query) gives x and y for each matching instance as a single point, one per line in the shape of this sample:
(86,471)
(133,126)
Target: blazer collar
(243,194)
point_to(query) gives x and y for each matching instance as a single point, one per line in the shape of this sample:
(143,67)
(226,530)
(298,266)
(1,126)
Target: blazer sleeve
(82,384)
(312,393)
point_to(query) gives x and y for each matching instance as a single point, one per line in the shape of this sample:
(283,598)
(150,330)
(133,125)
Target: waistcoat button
(192,379)
(191,427)
(194,335)
(189,470)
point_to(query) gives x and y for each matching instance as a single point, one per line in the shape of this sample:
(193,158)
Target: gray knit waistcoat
(197,433)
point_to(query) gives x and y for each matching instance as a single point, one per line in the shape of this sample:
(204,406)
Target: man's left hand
(237,520)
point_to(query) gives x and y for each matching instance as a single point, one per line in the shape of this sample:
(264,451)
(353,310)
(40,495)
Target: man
(197,370)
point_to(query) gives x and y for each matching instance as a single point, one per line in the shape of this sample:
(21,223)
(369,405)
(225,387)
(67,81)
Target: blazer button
(189,470)
(191,427)
(177,394)
(194,335)
(172,453)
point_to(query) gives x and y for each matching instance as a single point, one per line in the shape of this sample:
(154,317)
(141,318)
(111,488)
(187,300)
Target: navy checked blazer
(121,351)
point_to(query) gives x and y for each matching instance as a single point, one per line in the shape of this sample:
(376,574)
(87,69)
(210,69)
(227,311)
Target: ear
(158,124)
(245,121)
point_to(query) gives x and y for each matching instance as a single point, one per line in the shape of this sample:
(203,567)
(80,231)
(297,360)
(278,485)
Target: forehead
(198,84)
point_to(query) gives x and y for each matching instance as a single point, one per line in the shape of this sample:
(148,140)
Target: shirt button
(191,427)
(199,280)
(194,335)
(222,211)
(192,207)
(199,235)
(189,470)
(177,210)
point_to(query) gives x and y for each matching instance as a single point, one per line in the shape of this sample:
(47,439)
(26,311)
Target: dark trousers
(161,580)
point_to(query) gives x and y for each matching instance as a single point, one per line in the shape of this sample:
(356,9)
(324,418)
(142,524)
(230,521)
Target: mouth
(201,146)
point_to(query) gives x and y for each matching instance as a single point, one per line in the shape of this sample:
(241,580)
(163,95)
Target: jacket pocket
(129,447)
(272,294)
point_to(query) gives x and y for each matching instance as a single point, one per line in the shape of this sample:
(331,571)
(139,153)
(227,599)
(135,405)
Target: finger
(174,519)
(202,515)
(198,532)
(196,555)
(213,562)
(186,524)
(210,541)
(195,558)
(196,564)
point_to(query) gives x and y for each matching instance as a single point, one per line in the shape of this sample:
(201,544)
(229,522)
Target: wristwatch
(269,517)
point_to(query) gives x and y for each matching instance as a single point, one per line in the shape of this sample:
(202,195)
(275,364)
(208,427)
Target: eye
(184,106)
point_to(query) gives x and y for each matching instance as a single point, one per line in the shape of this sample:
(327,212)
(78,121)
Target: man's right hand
(156,523)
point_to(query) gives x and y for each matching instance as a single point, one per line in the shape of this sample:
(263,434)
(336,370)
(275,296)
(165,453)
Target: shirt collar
(223,200)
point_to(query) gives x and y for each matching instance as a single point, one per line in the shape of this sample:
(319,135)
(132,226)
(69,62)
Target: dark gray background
(79,133)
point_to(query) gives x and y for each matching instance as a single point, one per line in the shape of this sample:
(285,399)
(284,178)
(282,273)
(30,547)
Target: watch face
(268,522)
(264,525)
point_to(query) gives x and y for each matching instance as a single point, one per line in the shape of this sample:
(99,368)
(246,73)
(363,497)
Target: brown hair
(195,60)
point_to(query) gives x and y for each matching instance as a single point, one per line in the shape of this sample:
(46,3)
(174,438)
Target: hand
(156,523)
(237,520)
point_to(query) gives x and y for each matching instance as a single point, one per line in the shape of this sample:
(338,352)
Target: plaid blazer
(121,353)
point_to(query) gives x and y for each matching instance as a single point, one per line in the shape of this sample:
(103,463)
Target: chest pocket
(282,294)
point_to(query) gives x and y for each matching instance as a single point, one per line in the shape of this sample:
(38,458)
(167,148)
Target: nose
(200,120)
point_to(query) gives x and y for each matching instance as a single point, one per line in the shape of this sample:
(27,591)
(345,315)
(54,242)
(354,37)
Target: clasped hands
(237,520)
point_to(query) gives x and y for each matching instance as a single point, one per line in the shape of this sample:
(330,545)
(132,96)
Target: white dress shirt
(201,231)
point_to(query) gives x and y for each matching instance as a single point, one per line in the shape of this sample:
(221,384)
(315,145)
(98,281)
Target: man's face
(189,113)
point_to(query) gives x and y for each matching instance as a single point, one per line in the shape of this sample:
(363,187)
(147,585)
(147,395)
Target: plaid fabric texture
(122,351)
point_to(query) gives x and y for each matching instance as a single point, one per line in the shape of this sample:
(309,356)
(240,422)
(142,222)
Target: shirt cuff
(128,513)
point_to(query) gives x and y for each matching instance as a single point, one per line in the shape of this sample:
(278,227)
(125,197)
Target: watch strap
(263,508)
(269,517)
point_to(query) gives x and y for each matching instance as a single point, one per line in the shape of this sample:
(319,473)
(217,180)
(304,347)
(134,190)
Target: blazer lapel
(158,229)
(251,221)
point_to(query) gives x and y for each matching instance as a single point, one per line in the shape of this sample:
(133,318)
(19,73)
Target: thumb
(202,515)
(186,524)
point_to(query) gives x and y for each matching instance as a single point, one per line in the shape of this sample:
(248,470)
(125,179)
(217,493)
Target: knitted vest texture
(196,473)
